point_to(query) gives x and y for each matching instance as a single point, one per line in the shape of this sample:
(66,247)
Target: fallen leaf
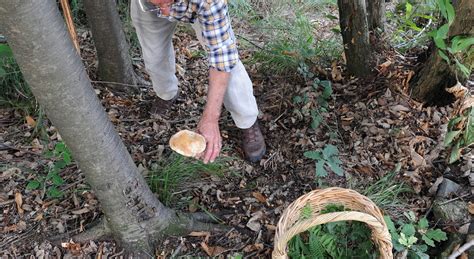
(38,217)
(254,247)
(80,211)
(458,90)
(30,121)
(259,197)
(19,203)
(193,205)
(254,223)
(399,108)
(74,248)
(212,250)
(471,208)
(335,72)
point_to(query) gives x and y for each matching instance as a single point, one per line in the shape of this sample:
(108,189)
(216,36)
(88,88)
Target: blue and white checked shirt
(216,29)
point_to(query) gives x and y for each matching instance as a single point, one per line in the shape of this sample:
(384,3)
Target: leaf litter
(378,128)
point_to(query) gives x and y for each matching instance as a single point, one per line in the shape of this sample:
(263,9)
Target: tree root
(99,231)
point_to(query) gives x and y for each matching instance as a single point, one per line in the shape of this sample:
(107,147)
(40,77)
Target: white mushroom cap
(188,143)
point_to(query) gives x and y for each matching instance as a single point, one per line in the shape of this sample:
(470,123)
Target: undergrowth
(333,240)
(172,173)
(14,91)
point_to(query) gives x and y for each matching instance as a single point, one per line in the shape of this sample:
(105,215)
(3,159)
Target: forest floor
(377,128)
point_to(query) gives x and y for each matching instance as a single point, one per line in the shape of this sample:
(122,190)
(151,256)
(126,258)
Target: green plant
(460,133)
(51,183)
(452,50)
(169,174)
(14,91)
(290,37)
(332,240)
(413,20)
(386,192)
(413,237)
(314,107)
(327,157)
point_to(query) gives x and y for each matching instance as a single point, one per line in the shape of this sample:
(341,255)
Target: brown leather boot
(253,143)
(160,106)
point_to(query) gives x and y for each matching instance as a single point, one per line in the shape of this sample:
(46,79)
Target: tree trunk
(436,75)
(54,71)
(375,14)
(112,47)
(355,35)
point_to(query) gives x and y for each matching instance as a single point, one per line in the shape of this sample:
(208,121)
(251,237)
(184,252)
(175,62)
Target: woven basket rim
(361,209)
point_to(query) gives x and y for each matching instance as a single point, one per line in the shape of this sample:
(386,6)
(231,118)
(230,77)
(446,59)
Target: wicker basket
(362,209)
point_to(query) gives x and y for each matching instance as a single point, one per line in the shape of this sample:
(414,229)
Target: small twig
(251,42)
(461,250)
(454,199)
(70,24)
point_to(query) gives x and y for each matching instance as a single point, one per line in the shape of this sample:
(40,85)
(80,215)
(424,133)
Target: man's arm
(209,123)
(223,56)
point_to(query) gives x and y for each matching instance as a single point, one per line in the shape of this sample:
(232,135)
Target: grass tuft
(172,173)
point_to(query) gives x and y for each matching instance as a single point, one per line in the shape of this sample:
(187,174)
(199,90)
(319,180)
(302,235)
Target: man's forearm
(218,82)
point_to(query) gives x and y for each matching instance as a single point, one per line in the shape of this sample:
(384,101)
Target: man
(229,83)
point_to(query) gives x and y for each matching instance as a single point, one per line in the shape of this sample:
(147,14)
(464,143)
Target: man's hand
(209,124)
(210,130)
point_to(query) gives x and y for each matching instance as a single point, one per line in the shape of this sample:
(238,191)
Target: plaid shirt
(216,29)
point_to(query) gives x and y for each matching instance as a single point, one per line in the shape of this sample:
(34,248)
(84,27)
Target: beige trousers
(155,37)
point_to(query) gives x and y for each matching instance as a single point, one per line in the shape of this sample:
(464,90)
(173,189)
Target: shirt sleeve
(218,34)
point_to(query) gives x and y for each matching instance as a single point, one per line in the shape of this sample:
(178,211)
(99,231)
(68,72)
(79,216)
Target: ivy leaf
(437,235)
(455,153)
(428,240)
(469,133)
(67,158)
(423,224)
(407,241)
(57,180)
(408,230)
(450,136)
(315,155)
(2,72)
(54,192)
(33,185)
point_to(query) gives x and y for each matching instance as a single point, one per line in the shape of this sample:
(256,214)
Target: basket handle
(380,234)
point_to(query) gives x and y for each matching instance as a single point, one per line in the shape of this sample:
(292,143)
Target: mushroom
(188,143)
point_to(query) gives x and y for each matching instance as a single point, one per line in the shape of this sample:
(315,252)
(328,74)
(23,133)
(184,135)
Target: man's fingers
(209,151)
(215,153)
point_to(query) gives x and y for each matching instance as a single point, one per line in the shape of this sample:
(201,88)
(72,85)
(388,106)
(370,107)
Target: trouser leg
(155,36)
(239,99)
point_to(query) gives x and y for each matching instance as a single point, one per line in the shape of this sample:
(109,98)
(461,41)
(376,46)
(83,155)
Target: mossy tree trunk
(375,14)
(355,35)
(109,39)
(133,215)
(435,74)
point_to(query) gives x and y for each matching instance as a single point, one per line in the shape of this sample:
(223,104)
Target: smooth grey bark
(355,36)
(115,63)
(375,14)
(435,74)
(54,71)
